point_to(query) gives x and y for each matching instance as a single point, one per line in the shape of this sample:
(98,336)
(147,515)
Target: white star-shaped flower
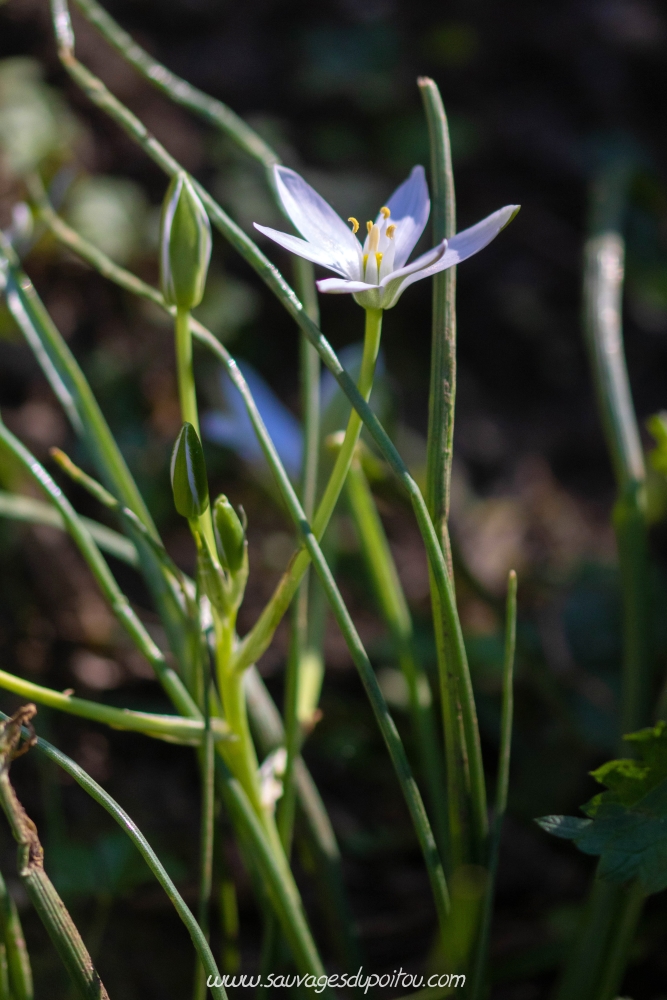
(377,272)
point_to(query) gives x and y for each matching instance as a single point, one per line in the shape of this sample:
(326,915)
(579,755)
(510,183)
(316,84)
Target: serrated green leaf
(627,827)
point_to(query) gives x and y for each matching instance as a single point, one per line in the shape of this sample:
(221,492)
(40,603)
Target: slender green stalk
(442,393)
(172,728)
(24,304)
(23,508)
(394,608)
(19,972)
(502,785)
(43,896)
(258,639)
(270,734)
(442,398)
(179,90)
(105,579)
(207,768)
(186,382)
(309,371)
(618,948)
(187,395)
(148,854)
(452,635)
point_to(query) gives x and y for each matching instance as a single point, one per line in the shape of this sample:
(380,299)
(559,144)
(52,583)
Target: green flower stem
(206,840)
(179,90)
(19,972)
(451,627)
(394,608)
(309,365)
(270,734)
(502,786)
(186,383)
(23,508)
(172,728)
(187,395)
(258,639)
(119,604)
(240,756)
(150,857)
(275,872)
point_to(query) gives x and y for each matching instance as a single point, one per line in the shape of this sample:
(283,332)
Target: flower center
(378,257)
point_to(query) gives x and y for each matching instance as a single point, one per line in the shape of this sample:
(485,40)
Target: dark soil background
(541,98)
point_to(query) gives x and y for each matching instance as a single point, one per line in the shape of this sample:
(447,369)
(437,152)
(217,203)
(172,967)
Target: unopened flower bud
(185,244)
(188,474)
(229,534)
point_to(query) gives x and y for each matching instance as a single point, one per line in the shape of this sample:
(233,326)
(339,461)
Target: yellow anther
(355,224)
(369,226)
(391,230)
(386,212)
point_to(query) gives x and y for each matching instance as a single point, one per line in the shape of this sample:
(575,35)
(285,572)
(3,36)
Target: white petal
(340,287)
(318,255)
(426,259)
(459,248)
(316,220)
(472,240)
(410,207)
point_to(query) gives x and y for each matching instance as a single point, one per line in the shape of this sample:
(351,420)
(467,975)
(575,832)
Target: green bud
(188,474)
(229,534)
(185,244)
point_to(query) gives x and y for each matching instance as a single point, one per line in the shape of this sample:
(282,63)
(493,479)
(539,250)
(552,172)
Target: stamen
(386,212)
(365,261)
(391,230)
(355,224)
(373,239)
(378,259)
(369,226)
